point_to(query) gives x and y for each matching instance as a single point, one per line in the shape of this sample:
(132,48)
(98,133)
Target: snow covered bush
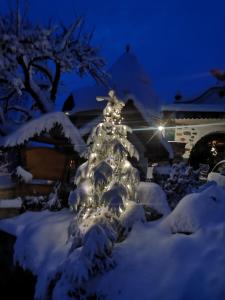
(104,202)
(154,199)
(54,202)
(51,202)
(33,59)
(34,203)
(198,210)
(182,180)
(22,175)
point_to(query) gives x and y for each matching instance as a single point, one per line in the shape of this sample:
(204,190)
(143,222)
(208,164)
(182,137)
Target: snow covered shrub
(34,202)
(182,180)
(154,199)
(50,202)
(198,210)
(104,202)
(54,202)
(22,175)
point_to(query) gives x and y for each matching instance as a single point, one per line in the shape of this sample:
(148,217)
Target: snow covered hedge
(183,180)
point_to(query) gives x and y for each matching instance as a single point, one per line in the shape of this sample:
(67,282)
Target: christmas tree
(104,201)
(107,178)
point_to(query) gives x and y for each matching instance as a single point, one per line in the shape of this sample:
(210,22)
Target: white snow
(11,203)
(217,177)
(152,195)
(152,263)
(198,210)
(42,242)
(44,124)
(211,97)
(23,174)
(194,107)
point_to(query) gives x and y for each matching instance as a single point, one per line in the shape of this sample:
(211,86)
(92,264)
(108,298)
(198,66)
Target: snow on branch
(23,174)
(44,52)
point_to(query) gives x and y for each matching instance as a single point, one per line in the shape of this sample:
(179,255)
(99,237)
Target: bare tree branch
(20,108)
(33,88)
(8,96)
(69,32)
(33,61)
(44,70)
(55,83)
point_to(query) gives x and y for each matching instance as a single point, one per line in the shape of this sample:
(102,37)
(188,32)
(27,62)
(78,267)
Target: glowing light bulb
(161,128)
(126,164)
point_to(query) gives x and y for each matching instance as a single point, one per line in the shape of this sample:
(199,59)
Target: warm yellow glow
(126,164)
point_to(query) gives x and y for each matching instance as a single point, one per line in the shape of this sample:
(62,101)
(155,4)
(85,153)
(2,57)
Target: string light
(108,162)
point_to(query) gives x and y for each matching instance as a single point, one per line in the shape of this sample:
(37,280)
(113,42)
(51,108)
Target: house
(48,148)
(199,125)
(141,112)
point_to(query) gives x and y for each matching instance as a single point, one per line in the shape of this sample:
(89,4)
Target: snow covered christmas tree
(104,201)
(107,178)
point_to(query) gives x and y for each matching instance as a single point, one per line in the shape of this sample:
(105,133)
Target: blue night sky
(178,41)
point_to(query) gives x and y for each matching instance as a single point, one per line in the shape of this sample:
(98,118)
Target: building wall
(191,134)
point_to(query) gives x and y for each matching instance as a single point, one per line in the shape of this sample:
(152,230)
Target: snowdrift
(198,210)
(152,263)
(152,195)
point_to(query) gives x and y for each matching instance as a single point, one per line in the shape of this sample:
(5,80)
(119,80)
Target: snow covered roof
(128,79)
(212,96)
(194,107)
(210,104)
(145,114)
(44,124)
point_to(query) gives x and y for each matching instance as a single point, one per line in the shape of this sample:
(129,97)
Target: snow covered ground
(156,261)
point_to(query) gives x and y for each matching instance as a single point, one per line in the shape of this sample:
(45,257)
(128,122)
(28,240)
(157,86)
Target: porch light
(161,128)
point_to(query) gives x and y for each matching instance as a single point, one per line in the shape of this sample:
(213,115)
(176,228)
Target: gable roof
(44,124)
(128,79)
(208,105)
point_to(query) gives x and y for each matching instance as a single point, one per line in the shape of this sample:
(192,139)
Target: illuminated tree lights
(107,179)
(104,201)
